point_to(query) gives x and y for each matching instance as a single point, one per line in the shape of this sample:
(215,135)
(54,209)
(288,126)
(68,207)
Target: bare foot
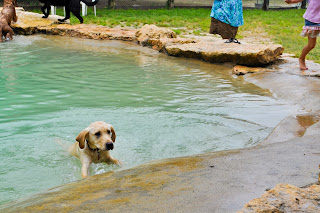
(302,64)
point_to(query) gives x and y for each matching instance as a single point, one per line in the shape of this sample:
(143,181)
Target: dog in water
(7,15)
(93,146)
(70,6)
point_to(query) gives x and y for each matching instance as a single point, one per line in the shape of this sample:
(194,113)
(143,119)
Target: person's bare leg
(302,59)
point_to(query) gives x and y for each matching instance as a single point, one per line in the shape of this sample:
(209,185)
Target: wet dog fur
(7,15)
(93,146)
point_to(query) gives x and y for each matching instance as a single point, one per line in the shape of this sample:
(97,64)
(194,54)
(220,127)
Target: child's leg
(302,59)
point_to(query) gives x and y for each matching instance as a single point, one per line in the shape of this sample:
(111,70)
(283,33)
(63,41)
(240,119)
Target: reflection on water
(53,87)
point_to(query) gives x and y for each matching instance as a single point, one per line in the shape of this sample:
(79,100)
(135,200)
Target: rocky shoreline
(213,182)
(162,39)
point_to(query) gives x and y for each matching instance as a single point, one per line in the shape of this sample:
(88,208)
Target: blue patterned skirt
(228,11)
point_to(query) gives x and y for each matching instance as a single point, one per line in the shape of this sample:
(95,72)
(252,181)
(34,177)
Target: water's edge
(178,183)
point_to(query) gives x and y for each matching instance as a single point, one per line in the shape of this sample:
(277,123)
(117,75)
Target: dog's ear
(81,138)
(113,136)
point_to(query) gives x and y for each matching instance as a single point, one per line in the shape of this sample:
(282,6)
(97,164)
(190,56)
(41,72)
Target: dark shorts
(310,24)
(225,30)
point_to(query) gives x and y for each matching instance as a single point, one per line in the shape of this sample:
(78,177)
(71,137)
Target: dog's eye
(108,131)
(98,134)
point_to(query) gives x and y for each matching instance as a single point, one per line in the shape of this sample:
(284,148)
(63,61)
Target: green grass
(282,26)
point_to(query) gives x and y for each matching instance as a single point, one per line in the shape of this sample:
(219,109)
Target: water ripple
(161,107)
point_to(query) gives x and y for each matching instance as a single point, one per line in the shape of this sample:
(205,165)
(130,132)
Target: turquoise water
(161,107)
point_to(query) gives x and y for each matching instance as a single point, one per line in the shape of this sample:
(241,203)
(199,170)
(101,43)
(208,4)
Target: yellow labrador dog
(93,145)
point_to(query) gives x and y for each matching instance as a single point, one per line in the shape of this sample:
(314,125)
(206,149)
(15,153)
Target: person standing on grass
(226,17)
(311,28)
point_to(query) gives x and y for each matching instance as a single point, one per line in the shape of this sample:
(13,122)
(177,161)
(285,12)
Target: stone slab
(243,54)
(286,198)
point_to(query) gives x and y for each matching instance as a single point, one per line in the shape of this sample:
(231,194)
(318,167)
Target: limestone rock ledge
(242,70)
(286,198)
(161,39)
(166,40)
(89,31)
(147,32)
(33,23)
(243,54)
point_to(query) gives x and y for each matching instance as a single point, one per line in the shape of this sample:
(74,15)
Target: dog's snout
(109,146)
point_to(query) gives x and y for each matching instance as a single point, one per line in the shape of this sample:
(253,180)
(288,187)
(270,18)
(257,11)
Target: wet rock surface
(213,182)
(286,198)
(28,22)
(285,64)
(242,70)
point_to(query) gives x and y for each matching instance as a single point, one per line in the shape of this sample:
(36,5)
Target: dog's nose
(109,146)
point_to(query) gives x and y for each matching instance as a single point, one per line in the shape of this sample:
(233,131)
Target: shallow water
(52,87)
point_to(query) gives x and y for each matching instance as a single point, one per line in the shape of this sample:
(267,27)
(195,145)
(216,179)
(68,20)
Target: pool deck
(213,182)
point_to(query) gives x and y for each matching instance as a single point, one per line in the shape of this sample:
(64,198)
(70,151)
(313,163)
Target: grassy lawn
(282,26)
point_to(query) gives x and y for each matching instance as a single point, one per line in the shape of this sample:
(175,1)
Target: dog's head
(10,2)
(99,135)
